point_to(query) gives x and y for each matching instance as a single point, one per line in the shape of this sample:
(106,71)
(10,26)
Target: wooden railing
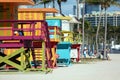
(23,29)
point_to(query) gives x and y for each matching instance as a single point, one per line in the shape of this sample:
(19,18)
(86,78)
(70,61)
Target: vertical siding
(7,12)
(31,15)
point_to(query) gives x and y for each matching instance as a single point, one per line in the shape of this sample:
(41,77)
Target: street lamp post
(78,16)
(83,33)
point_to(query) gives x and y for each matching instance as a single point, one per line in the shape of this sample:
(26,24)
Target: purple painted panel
(11,45)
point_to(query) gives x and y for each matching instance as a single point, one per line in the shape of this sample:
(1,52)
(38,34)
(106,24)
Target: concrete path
(103,70)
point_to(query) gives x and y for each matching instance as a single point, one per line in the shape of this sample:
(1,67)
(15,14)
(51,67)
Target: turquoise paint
(63,50)
(52,36)
(54,22)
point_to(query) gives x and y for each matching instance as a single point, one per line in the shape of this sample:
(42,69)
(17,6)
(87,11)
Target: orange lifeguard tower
(34,37)
(38,14)
(9,11)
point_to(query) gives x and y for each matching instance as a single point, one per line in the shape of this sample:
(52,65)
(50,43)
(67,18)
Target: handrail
(30,29)
(22,21)
(36,33)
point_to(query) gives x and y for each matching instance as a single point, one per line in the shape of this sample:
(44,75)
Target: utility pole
(78,13)
(83,33)
(78,16)
(78,9)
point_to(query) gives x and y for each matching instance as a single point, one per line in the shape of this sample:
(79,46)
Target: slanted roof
(74,20)
(19,2)
(59,17)
(64,31)
(45,10)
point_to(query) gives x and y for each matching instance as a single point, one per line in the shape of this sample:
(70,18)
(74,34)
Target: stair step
(37,52)
(38,56)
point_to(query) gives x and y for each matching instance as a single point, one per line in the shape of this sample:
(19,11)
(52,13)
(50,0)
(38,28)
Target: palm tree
(45,2)
(35,1)
(104,5)
(97,33)
(42,2)
(53,3)
(116,34)
(90,33)
(48,1)
(59,4)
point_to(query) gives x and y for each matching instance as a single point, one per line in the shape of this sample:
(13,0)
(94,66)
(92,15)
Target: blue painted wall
(54,22)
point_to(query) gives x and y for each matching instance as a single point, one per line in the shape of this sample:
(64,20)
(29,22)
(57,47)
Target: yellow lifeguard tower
(38,14)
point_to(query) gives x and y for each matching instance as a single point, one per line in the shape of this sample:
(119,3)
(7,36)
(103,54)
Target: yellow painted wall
(31,15)
(68,36)
(27,15)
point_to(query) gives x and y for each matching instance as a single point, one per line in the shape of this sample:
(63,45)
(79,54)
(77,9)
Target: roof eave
(19,2)
(45,10)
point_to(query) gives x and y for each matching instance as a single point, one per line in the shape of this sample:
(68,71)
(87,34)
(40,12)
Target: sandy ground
(103,70)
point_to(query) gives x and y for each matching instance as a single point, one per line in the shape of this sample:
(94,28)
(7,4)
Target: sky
(67,7)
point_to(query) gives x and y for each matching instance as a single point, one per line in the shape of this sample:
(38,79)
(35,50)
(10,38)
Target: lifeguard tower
(62,48)
(68,36)
(39,14)
(54,27)
(23,39)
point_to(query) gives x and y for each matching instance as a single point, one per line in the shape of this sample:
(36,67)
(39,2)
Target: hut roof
(46,10)
(74,20)
(59,17)
(19,2)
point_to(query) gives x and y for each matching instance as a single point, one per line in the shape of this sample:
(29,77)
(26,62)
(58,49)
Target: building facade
(90,7)
(113,18)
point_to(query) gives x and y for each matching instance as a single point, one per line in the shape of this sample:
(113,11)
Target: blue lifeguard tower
(63,47)
(63,51)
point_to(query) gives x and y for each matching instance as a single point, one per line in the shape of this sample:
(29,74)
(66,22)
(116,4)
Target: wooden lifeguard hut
(22,38)
(9,11)
(56,24)
(62,49)
(8,16)
(38,14)
(68,36)
(76,43)
(67,24)
(54,34)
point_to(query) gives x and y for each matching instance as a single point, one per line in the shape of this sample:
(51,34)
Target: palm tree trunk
(60,9)
(97,33)
(59,4)
(53,6)
(44,5)
(105,34)
(53,3)
(83,25)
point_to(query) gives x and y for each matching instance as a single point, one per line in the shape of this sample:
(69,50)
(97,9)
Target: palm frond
(116,3)
(44,1)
